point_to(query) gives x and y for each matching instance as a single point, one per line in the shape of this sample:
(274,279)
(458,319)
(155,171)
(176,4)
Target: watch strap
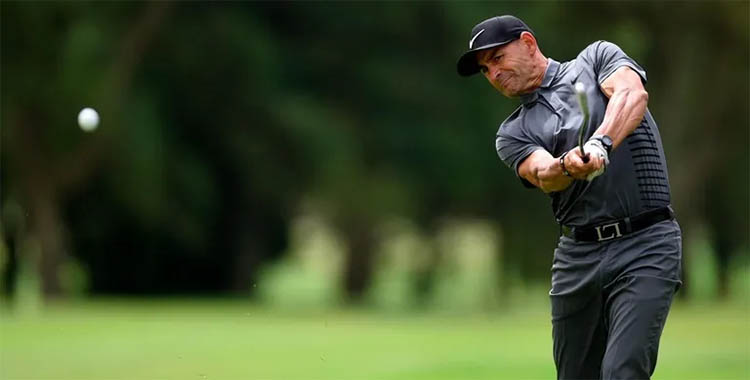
(562,165)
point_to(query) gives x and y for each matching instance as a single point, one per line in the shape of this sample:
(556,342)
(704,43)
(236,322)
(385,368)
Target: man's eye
(497,58)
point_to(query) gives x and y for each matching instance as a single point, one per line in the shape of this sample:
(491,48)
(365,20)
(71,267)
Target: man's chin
(516,94)
(510,94)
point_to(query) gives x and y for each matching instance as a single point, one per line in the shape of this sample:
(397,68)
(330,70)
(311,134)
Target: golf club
(580,90)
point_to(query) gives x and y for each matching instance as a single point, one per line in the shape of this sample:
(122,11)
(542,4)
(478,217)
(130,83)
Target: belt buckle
(602,229)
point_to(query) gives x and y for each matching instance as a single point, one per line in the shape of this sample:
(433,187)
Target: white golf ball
(580,88)
(88,119)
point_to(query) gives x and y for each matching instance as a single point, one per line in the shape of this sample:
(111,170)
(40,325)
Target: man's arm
(546,172)
(627,104)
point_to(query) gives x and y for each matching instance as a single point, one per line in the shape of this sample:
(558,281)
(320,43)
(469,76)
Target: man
(617,264)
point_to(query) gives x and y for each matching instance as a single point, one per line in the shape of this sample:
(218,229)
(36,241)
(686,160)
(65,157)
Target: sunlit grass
(236,340)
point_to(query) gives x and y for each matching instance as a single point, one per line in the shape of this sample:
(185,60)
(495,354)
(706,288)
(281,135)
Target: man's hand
(594,167)
(596,148)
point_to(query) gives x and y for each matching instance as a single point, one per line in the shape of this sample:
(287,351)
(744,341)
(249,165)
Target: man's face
(508,68)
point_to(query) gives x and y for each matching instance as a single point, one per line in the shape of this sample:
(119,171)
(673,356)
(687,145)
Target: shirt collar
(549,74)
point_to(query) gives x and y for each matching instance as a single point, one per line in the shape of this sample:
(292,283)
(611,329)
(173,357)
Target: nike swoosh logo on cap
(475,37)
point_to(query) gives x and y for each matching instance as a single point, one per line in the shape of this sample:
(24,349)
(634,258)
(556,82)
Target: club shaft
(583,103)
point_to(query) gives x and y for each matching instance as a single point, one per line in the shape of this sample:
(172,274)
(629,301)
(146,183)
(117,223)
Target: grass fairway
(234,340)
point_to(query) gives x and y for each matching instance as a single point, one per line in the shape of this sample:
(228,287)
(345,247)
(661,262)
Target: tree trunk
(359,260)
(48,228)
(723,249)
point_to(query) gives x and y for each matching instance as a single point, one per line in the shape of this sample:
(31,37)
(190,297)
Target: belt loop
(628,226)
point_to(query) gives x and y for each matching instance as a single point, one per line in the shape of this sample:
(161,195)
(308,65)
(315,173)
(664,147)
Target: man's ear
(528,40)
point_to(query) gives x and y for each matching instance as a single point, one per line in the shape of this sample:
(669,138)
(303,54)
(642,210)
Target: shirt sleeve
(513,147)
(606,57)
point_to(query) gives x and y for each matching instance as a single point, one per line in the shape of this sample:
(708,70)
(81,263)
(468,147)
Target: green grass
(235,340)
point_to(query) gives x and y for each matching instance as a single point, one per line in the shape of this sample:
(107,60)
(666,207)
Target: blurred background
(312,183)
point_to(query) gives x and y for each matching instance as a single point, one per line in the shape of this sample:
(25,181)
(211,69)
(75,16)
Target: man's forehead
(487,53)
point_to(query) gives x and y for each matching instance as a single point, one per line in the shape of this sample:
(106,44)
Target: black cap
(487,34)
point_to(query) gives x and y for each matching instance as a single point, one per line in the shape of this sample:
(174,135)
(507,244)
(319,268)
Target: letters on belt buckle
(615,234)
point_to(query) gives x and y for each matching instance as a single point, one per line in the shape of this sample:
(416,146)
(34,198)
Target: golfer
(616,267)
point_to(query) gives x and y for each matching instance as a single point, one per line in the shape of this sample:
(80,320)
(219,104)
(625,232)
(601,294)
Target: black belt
(618,228)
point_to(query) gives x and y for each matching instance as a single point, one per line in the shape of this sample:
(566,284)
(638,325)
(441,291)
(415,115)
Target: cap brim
(467,64)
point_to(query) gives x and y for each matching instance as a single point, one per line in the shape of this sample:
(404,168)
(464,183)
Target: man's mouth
(503,82)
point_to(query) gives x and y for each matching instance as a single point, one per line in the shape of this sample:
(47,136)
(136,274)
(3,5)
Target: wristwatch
(605,140)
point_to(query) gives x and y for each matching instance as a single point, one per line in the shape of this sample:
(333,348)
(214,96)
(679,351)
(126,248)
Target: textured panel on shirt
(650,172)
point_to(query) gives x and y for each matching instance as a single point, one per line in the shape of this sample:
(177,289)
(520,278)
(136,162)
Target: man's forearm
(623,114)
(549,175)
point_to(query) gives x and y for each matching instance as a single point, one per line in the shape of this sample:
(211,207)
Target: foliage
(222,122)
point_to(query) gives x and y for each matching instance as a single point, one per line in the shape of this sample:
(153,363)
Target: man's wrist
(605,142)
(562,165)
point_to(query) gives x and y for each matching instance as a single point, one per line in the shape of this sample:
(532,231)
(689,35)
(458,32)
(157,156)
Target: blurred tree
(44,75)
(221,121)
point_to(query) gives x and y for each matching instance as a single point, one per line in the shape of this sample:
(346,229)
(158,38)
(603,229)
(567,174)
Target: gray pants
(610,301)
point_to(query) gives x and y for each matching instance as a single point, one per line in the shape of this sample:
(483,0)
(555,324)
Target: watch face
(607,142)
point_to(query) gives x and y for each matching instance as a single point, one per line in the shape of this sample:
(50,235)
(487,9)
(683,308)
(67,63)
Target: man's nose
(495,73)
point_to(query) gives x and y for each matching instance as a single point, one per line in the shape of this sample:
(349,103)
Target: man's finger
(600,164)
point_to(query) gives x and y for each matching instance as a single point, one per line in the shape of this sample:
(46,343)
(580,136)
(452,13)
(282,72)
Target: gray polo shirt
(549,119)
